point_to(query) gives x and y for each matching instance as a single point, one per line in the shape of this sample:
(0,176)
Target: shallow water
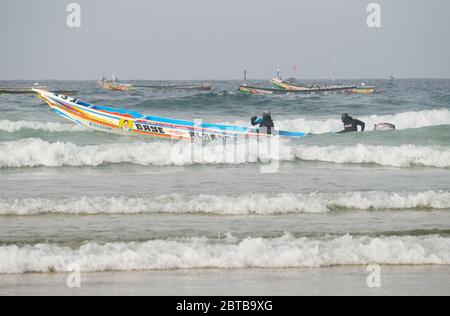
(126,204)
(409,280)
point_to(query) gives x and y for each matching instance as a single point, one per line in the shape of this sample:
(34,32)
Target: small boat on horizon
(347,89)
(283,88)
(114,84)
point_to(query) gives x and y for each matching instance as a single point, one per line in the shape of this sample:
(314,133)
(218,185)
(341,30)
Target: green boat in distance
(296,86)
(354,89)
(246,89)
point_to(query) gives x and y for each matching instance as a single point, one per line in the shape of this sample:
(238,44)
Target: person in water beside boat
(264,122)
(351,124)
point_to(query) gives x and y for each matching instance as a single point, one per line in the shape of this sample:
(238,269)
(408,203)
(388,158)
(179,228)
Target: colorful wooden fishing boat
(120,121)
(363,89)
(347,89)
(114,86)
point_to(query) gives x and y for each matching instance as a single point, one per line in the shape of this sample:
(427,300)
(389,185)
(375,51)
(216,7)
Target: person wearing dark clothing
(351,124)
(265,121)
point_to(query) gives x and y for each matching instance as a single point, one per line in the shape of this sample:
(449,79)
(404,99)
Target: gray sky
(212,39)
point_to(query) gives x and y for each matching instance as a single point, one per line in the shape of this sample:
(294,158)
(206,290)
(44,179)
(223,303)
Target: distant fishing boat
(347,89)
(304,88)
(114,84)
(244,88)
(321,90)
(289,85)
(262,91)
(354,89)
(287,88)
(363,89)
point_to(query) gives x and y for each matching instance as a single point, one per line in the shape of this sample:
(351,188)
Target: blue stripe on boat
(140,116)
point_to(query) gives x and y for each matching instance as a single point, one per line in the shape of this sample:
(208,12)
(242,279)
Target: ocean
(146,216)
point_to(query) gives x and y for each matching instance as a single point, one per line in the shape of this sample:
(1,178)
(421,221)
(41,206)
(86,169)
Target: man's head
(345,117)
(266,113)
(126,124)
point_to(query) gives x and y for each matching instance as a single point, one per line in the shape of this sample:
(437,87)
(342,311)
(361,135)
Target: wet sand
(395,280)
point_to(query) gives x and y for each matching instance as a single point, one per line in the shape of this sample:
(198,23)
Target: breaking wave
(37,152)
(405,120)
(253,204)
(15,126)
(396,156)
(229,253)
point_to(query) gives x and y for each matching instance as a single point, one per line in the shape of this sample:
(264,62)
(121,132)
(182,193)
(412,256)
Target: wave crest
(37,152)
(15,126)
(253,204)
(198,253)
(405,120)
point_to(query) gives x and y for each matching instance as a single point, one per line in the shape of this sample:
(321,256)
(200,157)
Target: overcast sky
(218,39)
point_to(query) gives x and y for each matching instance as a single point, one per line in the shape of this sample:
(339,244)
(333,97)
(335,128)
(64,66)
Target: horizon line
(255,79)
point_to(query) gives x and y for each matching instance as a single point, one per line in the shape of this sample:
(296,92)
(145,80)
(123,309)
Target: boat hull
(112,86)
(289,87)
(260,91)
(363,90)
(268,91)
(330,89)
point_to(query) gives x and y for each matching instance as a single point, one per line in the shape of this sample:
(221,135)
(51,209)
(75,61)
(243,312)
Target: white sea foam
(198,253)
(253,204)
(37,152)
(396,156)
(405,120)
(15,126)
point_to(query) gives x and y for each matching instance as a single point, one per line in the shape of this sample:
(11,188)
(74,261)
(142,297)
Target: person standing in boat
(265,122)
(351,124)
